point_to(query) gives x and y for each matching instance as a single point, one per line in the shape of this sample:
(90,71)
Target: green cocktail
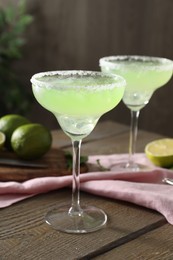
(77,99)
(143,76)
(78,102)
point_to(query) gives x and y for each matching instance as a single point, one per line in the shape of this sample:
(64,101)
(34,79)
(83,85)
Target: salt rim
(119,81)
(166,64)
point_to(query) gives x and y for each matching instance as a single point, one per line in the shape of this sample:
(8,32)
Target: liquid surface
(78,102)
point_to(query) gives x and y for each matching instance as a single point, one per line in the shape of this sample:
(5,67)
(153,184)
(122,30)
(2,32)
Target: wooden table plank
(154,245)
(25,235)
(117,143)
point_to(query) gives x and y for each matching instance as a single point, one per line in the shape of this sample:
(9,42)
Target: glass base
(89,219)
(131,167)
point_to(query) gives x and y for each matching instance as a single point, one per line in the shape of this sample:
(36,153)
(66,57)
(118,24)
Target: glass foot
(131,167)
(89,219)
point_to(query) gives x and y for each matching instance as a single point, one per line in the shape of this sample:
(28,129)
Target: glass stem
(133,136)
(75,206)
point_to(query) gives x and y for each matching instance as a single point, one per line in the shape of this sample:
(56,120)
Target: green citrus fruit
(31,141)
(2,139)
(160,152)
(9,123)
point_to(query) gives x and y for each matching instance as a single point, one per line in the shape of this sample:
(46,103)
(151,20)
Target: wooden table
(132,232)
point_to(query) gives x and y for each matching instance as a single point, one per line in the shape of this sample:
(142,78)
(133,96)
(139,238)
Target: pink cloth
(143,188)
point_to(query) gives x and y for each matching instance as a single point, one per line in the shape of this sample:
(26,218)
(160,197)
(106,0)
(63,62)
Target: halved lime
(2,139)
(160,152)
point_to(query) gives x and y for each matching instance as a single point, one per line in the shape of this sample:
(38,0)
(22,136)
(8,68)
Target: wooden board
(55,160)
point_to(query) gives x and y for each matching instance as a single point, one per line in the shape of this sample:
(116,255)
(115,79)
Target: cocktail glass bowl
(77,99)
(143,76)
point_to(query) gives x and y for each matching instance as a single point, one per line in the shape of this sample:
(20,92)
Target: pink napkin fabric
(144,188)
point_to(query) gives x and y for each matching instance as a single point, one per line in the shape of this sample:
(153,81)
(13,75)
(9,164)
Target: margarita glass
(77,99)
(143,76)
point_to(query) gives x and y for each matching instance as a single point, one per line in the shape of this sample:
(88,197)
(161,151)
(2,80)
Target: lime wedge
(2,139)
(160,152)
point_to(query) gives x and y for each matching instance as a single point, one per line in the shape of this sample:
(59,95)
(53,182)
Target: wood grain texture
(25,235)
(155,245)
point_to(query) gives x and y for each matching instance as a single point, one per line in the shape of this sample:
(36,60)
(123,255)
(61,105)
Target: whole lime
(9,123)
(31,141)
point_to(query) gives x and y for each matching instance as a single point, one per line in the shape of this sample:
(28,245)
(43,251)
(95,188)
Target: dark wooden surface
(154,245)
(132,232)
